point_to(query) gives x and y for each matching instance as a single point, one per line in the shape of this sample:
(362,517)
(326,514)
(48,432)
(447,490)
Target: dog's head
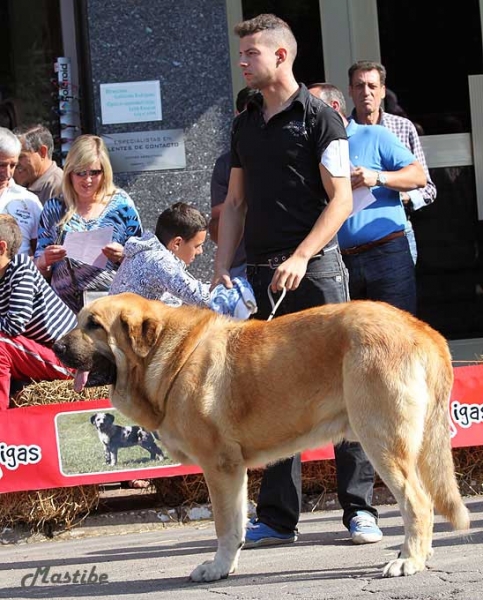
(113,333)
(102,421)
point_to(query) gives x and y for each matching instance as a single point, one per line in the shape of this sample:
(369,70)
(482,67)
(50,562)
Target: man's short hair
(279,31)
(9,143)
(32,137)
(10,233)
(243,98)
(328,93)
(368,65)
(182,220)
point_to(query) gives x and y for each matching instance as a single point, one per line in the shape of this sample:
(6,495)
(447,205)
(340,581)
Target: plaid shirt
(405,130)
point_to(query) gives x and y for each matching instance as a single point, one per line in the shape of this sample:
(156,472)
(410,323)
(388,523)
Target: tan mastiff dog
(227,395)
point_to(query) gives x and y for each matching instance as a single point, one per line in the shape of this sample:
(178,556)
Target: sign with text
(78,443)
(146,150)
(130,102)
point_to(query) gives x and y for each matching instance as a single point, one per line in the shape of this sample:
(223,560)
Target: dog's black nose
(59,348)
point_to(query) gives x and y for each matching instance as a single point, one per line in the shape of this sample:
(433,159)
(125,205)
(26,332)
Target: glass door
(430,61)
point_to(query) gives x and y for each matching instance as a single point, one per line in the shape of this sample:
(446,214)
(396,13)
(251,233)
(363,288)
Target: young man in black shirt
(289,193)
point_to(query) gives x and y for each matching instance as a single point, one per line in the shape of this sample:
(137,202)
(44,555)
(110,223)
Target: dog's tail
(436,459)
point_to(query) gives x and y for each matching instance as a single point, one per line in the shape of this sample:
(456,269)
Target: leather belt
(370,245)
(275,261)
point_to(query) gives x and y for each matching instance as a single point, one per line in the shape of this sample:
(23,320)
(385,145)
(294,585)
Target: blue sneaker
(258,534)
(363,528)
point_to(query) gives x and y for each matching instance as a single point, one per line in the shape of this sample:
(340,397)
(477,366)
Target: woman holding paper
(82,232)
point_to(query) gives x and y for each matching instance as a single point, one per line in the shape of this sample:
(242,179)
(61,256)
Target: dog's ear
(93,418)
(142,332)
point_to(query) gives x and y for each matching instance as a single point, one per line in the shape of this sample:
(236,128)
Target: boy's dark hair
(10,233)
(34,136)
(182,220)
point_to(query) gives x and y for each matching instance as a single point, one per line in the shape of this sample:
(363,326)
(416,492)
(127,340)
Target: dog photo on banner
(95,442)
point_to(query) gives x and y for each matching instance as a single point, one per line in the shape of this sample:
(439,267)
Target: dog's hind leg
(227,485)
(417,513)
(392,440)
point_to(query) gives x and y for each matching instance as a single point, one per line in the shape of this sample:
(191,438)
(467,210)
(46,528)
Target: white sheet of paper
(361,197)
(87,245)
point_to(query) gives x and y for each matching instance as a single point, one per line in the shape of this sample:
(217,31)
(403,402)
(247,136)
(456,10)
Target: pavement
(134,555)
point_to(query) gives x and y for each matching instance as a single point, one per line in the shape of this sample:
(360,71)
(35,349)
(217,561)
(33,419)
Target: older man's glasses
(88,173)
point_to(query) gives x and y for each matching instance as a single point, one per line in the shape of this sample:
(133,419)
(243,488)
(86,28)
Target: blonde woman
(89,201)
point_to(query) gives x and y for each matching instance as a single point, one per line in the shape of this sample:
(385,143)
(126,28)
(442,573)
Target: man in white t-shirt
(15,200)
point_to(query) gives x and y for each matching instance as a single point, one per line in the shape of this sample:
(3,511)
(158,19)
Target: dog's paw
(402,567)
(209,571)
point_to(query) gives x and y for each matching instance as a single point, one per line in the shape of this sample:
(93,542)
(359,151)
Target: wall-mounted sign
(146,150)
(130,102)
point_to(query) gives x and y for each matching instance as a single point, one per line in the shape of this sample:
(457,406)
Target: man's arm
(215,222)
(407,178)
(230,231)
(427,195)
(290,273)
(218,191)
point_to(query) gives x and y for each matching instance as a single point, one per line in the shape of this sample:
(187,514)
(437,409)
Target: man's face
(28,168)
(367,92)
(188,250)
(258,60)
(7,167)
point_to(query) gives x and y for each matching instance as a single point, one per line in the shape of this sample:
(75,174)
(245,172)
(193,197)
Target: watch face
(382,178)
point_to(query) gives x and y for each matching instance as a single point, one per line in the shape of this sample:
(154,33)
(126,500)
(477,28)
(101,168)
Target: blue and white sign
(130,102)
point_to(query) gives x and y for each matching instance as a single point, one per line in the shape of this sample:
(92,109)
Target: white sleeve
(336,158)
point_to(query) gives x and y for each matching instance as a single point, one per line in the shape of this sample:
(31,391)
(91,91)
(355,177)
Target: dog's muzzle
(92,369)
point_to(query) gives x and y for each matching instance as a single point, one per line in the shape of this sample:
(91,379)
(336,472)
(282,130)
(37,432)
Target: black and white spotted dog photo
(114,437)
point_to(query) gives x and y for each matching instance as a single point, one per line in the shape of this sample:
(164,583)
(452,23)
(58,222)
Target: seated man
(36,170)
(154,266)
(32,317)
(15,200)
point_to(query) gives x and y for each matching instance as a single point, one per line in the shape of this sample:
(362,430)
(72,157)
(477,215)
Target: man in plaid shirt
(367,88)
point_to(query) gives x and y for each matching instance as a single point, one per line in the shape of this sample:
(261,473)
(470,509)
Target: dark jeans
(279,500)
(384,273)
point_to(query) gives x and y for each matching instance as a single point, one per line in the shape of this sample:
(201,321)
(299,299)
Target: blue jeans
(383,273)
(279,500)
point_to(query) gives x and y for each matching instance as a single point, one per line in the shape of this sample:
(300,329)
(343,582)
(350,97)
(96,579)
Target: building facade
(176,64)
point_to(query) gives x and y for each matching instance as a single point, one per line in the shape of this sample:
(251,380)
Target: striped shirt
(29,306)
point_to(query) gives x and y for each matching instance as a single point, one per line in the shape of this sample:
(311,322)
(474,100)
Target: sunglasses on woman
(88,173)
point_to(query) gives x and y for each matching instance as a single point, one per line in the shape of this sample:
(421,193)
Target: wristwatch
(381,179)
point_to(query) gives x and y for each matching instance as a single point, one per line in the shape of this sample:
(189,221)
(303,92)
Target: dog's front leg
(113,457)
(228,493)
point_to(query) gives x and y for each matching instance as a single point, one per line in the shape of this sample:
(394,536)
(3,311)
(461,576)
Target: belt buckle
(276,261)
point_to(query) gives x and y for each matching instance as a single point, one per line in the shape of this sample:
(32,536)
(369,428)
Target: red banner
(61,445)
